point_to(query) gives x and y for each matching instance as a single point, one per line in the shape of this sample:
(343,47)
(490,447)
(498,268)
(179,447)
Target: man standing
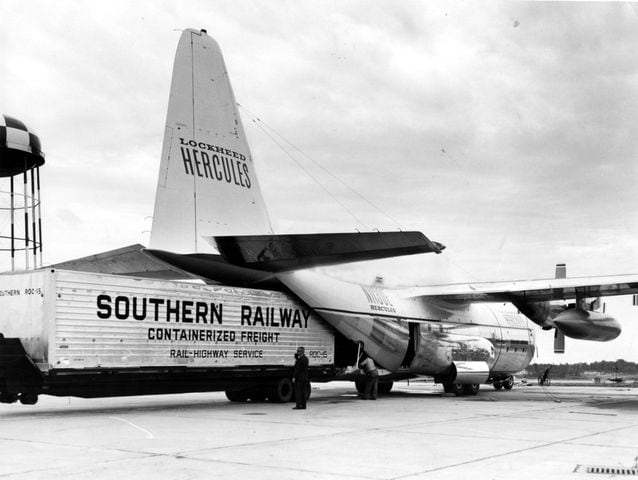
(300,377)
(372,379)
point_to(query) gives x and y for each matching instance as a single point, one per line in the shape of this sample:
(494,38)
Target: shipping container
(87,334)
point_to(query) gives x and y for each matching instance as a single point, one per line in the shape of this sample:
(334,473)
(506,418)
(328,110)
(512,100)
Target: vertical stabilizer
(207,183)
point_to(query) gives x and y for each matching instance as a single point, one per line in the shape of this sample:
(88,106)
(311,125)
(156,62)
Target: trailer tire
(360,385)
(29,398)
(281,391)
(8,398)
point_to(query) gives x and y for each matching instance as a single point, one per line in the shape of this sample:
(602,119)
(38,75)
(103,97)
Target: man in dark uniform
(372,379)
(300,377)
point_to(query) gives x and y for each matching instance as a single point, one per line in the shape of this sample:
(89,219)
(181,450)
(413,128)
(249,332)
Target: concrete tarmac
(415,432)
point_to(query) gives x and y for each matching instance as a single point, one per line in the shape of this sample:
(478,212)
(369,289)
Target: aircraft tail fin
(207,183)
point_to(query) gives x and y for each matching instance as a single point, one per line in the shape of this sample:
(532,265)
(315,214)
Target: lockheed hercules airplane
(210,222)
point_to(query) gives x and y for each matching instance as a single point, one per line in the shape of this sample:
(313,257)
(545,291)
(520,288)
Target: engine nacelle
(587,325)
(470,372)
(439,354)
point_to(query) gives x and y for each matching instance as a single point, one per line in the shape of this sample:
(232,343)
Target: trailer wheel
(29,398)
(281,391)
(8,398)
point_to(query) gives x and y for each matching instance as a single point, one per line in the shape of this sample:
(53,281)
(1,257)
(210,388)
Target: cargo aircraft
(210,222)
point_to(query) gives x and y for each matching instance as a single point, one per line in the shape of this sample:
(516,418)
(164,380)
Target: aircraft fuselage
(428,336)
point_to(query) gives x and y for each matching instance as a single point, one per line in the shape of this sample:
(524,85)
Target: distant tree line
(571,370)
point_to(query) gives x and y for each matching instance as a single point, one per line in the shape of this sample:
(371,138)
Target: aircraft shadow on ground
(153,406)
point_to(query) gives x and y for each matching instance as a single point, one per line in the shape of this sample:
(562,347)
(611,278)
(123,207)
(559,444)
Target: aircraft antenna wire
(266,129)
(259,124)
(258,121)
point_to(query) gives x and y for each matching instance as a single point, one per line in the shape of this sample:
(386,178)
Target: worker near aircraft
(372,378)
(300,378)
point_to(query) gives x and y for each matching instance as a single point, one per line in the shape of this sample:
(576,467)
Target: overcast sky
(506,131)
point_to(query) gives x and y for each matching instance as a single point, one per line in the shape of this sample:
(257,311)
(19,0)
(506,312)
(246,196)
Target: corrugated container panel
(105,321)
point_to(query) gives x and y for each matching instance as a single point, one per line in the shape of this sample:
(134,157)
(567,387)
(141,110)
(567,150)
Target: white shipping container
(77,320)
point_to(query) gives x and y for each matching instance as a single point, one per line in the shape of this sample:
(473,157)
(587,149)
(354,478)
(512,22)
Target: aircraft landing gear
(461,389)
(508,383)
(455,388)
(471,388)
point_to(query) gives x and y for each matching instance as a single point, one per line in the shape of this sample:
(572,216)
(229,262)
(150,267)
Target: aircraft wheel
(281,391)
(29,398)
(236,396)
(471,388)
(508,383)
(497,385)
(385,387)
(454,388)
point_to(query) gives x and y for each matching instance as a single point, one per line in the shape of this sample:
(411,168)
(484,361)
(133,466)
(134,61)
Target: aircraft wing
(530,290)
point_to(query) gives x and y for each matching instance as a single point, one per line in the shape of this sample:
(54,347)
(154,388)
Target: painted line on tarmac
(513,452)
(148,434)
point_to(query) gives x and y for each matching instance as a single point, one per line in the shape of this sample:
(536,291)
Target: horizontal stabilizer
(214,268)
(276,253)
